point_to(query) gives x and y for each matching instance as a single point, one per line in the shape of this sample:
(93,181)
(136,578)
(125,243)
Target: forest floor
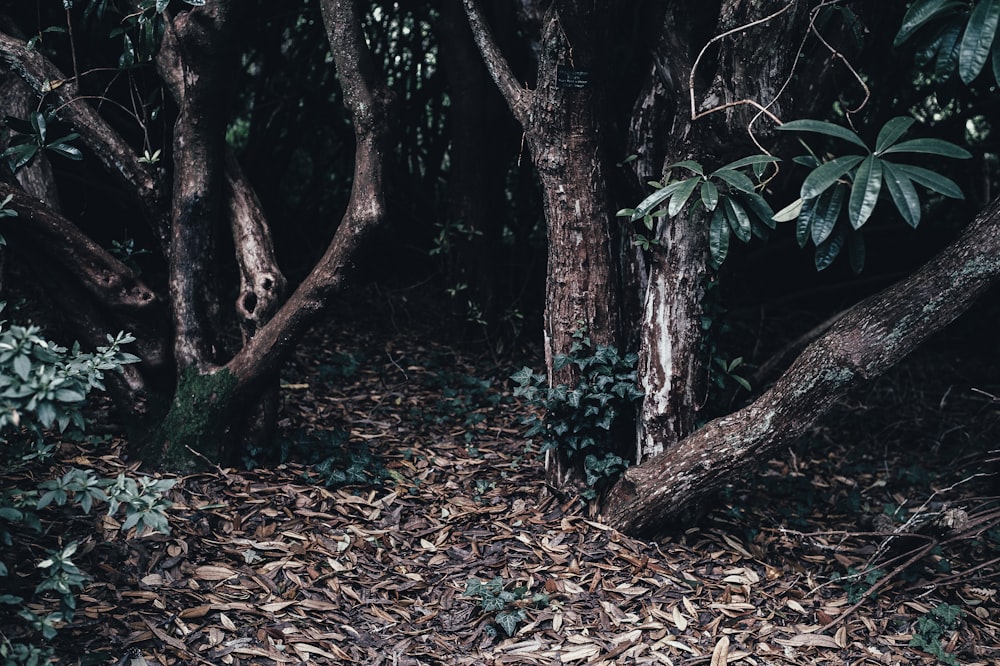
(809,562)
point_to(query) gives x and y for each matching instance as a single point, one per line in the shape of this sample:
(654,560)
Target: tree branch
(103,141)
(517,96)
(864,343)
(369,101)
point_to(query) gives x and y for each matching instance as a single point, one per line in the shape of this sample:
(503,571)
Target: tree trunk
(562,121)
(671,489)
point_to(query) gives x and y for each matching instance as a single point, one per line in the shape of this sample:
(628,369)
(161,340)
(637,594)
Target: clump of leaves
(852,184)
(331,458)
(31,136)
(507,606)
(579,420)
(931,628)
(952,35)
(856,582)
(728,194)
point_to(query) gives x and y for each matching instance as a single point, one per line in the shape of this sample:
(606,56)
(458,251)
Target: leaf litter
(266,566)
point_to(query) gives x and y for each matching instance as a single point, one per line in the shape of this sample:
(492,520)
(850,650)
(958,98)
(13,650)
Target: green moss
(197,420)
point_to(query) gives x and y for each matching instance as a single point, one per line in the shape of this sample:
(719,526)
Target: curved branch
(369,102)
(861,345)
(518,98)
(103,141)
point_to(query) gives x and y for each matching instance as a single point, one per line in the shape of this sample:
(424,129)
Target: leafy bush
(579,421)
(43,387)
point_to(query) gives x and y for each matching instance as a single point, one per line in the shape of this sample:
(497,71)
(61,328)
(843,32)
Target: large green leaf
(648,204)
(919,13)
(683,193)
(827,174)
(903,193)
(827,211)
(931,180)
(709,195)
(828,250)
(804,221)
(752,159)
(930,147)
(789,212)
(891,131)
(948,51)
(856,251)
(864,191)
(823,127)
(739,221)
(736,179)
(978,38)
(690,165)
(39,126)
(758,206)
(718,236)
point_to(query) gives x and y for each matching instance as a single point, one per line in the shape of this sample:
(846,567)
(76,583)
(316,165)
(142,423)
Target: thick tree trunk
(671,489)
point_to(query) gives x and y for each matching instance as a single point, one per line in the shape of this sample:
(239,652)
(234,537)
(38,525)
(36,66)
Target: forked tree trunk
(562,123)
(670,489)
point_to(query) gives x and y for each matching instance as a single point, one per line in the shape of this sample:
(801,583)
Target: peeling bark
(869,339)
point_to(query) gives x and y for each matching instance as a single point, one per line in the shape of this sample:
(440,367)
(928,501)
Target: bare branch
(517,96)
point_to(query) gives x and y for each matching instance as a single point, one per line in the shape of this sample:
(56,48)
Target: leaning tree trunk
(562,123)
(869,339)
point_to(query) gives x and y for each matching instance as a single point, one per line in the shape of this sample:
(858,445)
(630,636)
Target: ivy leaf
(864,192)
(978,39)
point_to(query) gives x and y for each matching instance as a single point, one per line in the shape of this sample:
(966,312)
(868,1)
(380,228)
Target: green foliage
(931,628)
(31,136)
(6,212)
(506,605)
(126,251)
(42,386)
(856,582)
(953,34)
(852,184)
(728,194)
(330,458)
(578,421)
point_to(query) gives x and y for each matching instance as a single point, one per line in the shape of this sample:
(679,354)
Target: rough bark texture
(193,60)
(669,489)
(562,122)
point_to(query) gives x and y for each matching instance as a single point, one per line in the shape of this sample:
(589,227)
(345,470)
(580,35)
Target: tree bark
(671,489)
(562,121)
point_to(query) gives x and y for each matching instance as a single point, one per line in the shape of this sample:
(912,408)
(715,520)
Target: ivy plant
(852,184)
(953,35)
(728,194)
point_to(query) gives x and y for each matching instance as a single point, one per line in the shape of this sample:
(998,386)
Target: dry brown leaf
(214,572)
(720,655)
(808,640)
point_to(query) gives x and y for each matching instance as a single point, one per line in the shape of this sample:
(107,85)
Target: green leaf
(20,155)
(827,211)
(826,174)
(648,204)
(161,6)
(804,221)
(864,191)
(38,125)
(827,251)
(789,212)
(931,180)
(739,221)
(823,127)
(891,131)
(66,150)
(977,39)
(718,237)
(948,51)
(690,165)
(709,195)
(758,206)
(684,190)
(930,147)
(920,13)
(903,193)
(736,179)
(752,159)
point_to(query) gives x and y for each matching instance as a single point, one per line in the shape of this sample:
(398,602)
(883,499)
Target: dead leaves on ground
(262,568)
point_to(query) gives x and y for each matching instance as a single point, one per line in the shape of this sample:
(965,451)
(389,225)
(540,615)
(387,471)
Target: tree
(193,49)
(708,101)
